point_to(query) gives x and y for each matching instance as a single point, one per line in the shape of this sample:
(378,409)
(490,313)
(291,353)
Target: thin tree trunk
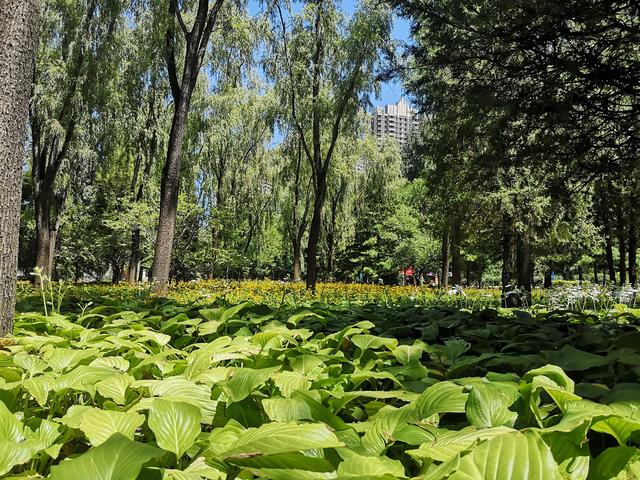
(444,282)
(53,238)
(314,233)
(608,248)
(633,246)
(524,266)
(297,269)
(456,257)
(508,263)
(633,251)
(42,238)
(595,271)
(622,260)
(135,262)
(19,30)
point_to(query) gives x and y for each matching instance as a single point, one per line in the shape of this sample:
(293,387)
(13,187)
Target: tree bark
(608,248)
(19,30)
(508,263)
(196,45)
(314,233)
(444,280)
(297,268)
(633,245)
(298,226)
(524,266)
(622,260)
(456,257)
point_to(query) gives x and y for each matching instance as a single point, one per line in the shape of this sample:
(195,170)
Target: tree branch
(293,93)
(178,15)
(170,53)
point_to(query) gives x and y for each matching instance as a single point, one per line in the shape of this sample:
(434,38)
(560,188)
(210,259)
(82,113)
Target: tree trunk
(508,263)
(608,248)
(197,41)
(19,30)
(633,248)
(314,232)
(444,283)
(297,270)
(42,238)
(595,271)
(169,190)
(524,266)
(548,280)
(135,261)
(456,257)
(622,260)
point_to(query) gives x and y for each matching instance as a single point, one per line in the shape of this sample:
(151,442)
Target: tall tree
(329,68)
(196,40)
(297,202)
(19,29)
(76,42)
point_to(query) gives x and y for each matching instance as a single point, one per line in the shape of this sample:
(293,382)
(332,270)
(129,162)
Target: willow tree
(325,67)
(19,28)
(195,40)
(74,62)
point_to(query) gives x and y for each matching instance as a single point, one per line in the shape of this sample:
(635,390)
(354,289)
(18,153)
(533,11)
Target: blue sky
(390,91)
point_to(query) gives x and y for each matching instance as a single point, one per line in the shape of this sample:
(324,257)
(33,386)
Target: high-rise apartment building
(396,121)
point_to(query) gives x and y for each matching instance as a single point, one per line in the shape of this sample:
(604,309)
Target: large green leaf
(573,459)
(621,463)
(572,359)
(115,387)
(39,387)
(448,444)
(61,359)
(619,427)
(282,438)
(244,381)
(366,341)
(357,466)
(182,390)
(116,459)
(488,404)
(289,382)
(175,424)
(513,456)
(443,397)
(11,429)
(26,444)
(198,470)
(12,454)
(291,460)
(99,425)
(409,354)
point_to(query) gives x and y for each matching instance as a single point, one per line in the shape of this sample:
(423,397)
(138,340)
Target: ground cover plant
(275,294)
(158,389)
